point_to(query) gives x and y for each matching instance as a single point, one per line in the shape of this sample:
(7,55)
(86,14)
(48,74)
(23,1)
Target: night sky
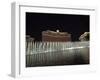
(73,24)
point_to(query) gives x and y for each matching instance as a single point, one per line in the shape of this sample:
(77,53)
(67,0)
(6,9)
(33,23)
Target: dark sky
(73,24)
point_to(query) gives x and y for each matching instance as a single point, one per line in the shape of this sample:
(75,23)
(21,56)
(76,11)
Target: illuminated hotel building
(52,36)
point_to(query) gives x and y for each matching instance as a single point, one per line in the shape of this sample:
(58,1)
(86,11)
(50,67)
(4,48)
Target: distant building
(29,38)
(85,36)
(52,36)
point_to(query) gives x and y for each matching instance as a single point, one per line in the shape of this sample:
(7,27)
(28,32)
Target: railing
(53,53)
